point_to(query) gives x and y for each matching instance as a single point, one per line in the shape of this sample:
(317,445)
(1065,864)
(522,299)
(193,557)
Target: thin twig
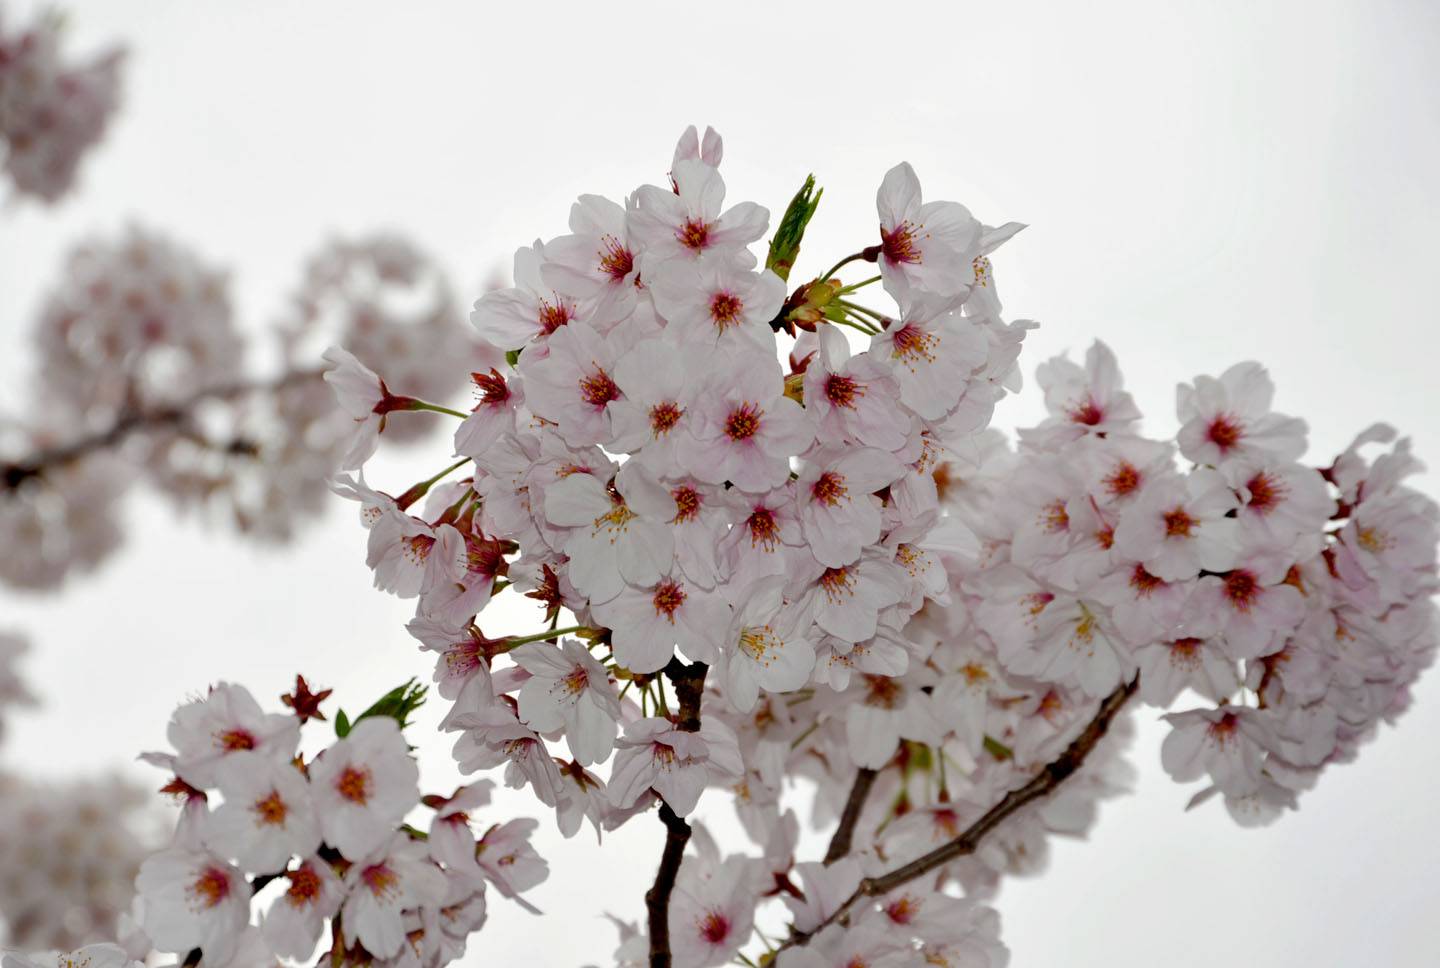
(12,475)
(1054,773)
(845,832)
(689,683)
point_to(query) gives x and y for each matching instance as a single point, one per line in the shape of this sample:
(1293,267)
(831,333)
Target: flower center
(491,387)
(714,927)
(1241,589)
(618,519)
(760,643)
(829,489)
(838,583)
(598,389)
(1186,652)
(882,692)
(1373,540)
(576,681)
(902,910)
(1087,413)
(664,417)
(1178,524)
(270,810)
(725,310)
(694,234)
(616,261)
(381,880)
(1054,519)
(353,784)
(304,886)
(232,740)
(763,529)
(743,422)
(687,504)
(668,597)
(841,391)
(553,316)
(1224,432)
(417,549)
(1266,493)
(1123,480)
(1143,582)
(914,346)
(1223,730)
(211,887)
(899,244)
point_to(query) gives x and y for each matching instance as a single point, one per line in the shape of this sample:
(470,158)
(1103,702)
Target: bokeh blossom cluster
(69,849)
(51,111)
(815,561)
(143,376)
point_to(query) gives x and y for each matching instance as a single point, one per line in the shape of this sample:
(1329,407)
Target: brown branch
(1054,773)
(845,832)
(13,474)
(657,899)
(689,682)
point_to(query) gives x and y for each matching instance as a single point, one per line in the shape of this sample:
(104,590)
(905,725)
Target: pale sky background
(1203,185)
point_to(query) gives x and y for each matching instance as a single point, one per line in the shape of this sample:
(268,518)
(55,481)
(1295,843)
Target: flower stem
(858,285)
(512,642)
(434,407)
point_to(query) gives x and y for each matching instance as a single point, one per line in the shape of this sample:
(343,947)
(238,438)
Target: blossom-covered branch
(896,604)
(1051,776)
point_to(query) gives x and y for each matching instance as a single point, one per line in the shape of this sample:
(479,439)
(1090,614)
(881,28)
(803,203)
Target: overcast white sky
(1204,184)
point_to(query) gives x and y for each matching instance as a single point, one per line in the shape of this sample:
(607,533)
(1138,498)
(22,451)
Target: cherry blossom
(363,785)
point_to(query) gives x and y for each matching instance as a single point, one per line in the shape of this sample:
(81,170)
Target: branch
(840,842)
(1043,783)
(689,682)
(657,899)
(12,475)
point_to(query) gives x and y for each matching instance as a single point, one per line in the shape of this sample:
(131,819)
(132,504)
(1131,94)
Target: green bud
(785,246)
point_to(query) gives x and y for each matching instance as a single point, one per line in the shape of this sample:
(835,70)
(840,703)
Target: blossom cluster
(1292,601)
(329,831)
(143,378)
(844,576)
(51,111)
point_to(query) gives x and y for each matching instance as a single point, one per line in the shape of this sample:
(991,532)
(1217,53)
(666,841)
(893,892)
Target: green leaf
(998,749)
(342,724)
(785,247)
(512,357)
(398,703)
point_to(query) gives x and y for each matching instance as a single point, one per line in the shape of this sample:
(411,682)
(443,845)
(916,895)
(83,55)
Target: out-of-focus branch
(845,832)
(1054,773)
(12,475)
(689,683)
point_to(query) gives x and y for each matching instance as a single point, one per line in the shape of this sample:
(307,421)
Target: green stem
(856,324)
(843,262)
(542,636)
(436,408)
(863,310)
(859,285)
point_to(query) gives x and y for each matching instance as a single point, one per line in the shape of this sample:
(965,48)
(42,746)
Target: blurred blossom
(51,111)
